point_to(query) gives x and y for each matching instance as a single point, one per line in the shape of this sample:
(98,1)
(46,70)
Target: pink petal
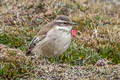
(74,32)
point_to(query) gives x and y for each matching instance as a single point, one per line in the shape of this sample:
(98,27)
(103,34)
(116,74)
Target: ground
(94,53)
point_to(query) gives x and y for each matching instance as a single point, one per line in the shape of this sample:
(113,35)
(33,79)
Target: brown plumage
(41,34)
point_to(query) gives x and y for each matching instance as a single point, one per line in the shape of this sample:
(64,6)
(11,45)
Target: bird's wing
(40,36)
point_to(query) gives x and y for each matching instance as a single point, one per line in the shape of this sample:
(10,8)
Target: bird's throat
(64,28)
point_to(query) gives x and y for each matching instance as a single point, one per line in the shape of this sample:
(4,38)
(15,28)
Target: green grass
(17,37)
(77,54)
(14,65)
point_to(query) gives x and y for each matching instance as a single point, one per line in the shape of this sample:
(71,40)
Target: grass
(97,38)
(78,53)
(13,64)
(17,37)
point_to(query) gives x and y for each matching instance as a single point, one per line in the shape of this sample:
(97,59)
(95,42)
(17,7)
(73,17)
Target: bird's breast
(61,40)
(59,34)
(55,43)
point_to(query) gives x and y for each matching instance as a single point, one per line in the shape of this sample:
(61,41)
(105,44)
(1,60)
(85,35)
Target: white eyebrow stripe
(60,21)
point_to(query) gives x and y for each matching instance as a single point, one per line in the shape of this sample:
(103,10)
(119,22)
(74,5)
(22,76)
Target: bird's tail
(28,52)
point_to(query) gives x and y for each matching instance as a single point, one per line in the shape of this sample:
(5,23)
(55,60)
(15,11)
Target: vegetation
(98,33)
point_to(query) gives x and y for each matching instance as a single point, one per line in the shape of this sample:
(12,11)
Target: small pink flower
(74,33)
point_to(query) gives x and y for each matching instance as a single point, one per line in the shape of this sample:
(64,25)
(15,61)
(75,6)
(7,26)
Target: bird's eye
(65,22)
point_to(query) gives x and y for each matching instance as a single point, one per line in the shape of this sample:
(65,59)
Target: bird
(53,39)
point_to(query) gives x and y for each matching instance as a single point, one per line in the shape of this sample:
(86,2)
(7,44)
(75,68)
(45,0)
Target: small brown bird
(53,39)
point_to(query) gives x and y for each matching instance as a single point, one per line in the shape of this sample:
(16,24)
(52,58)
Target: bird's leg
(57,59)
(45,60)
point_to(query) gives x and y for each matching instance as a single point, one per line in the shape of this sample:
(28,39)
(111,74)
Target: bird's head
(64,22)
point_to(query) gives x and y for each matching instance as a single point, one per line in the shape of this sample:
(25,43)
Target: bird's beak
(73,23)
